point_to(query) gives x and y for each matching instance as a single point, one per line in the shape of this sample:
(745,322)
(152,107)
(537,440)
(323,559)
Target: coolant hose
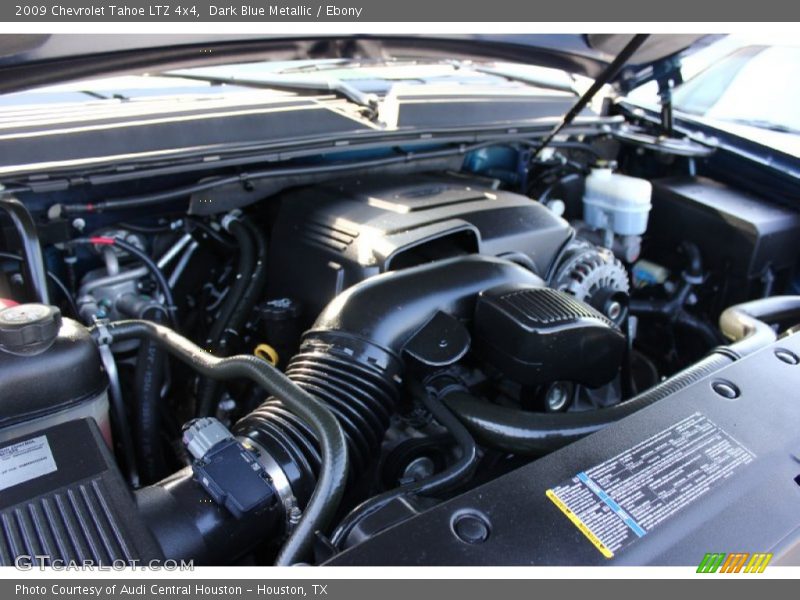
(149,378)
(244,271)
(746,323)
(536,434)
(206,388)
(432,398)
(332,475)
(254,289)
(33,265)
(528,433)
(147,384)
(210,391)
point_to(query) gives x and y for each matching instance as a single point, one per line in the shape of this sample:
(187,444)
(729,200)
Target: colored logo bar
(734,562)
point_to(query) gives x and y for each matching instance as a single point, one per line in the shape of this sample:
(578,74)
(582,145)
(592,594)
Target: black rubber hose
(206,388)
(693,258)
(333,471)
(522,432)
(56,281)
(244,271)
(209,399)
(439,483)
(33,265)
(149,378)
(254,290)
(157,274)
(530,433)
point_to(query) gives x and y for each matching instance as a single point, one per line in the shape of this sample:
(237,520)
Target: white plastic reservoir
(616,202)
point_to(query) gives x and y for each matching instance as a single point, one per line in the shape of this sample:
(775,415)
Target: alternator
(595,276)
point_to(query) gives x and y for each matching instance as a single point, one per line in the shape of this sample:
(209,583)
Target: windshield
(757,85)
(746,86)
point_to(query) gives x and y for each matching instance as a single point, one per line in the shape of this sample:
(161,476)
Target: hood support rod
(611,71)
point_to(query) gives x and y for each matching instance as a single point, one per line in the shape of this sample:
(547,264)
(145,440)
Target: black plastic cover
(68,372)
(538,335)
(343,232)
(63,497)
(751,443)
(738,233)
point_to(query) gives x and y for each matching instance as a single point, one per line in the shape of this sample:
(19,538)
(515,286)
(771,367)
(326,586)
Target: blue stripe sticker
(609,501)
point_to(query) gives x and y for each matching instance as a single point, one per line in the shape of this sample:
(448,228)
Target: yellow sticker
(580,524)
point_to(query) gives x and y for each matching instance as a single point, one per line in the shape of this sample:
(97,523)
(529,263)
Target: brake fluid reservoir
(50,372)
(615,202)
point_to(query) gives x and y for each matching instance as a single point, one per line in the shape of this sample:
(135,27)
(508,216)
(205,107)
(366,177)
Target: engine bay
(400,365)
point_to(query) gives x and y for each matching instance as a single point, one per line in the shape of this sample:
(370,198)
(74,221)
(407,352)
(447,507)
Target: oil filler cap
(29,328)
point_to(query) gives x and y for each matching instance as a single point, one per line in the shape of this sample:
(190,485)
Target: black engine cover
(343,232)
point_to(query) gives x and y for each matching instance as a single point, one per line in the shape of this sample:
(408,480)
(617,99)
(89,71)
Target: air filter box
(64,502)
(537,335)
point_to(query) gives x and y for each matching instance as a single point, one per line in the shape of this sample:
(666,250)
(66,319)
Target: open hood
(28,61)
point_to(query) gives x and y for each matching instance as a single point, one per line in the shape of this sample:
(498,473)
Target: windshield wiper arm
(293,84)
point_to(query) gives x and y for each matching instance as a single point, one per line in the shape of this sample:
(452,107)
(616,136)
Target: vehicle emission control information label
(624,498)
(25,461)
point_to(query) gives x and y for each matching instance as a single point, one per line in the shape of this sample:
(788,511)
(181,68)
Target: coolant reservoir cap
(29,328)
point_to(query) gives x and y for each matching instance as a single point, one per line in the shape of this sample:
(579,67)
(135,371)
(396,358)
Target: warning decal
(24,461)
(622,499)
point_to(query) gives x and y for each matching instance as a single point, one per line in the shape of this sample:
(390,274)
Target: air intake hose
(209,519)
(349,364)
(350,359)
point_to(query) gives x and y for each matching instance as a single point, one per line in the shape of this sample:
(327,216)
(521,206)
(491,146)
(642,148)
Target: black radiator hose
(147,384)
(528,433)
(33,263)
(244,271)
(206,388)
(333,463)
(223,338)
(253,291)
(150,371)
(536,434)
(350,359)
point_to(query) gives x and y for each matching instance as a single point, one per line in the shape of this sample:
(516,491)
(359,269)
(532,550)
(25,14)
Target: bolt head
(471,528)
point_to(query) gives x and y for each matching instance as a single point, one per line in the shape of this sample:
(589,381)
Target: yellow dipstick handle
(267,352)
